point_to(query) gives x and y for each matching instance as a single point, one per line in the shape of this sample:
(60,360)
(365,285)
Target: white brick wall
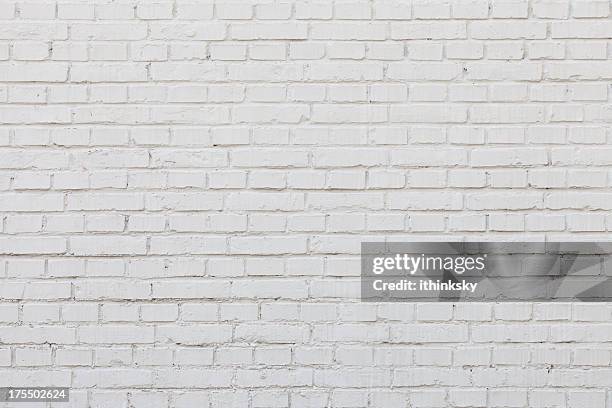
(185,185)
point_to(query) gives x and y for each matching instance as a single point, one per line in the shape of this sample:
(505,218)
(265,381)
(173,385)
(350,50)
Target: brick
(499,30)
(429,30)
(33,357)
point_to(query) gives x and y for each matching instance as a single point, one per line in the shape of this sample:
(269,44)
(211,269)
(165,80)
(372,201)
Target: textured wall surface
(184,187)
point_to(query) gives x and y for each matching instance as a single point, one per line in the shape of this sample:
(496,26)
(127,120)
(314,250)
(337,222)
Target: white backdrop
(185,186)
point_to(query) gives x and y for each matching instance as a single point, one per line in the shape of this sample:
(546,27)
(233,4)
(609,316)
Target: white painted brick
(30,51)
(433,357)
(194,11)
(238,311)
(75,11)
(80,312)
(498,30)
(9,313)
(306,51)
(153,356)
(591,357)
(431,10)
(425,51)
(510,356)
(546,50)
(73,357)
(263,52)
(105,399)
(69,51)
(7,11)
(149,52)
(37,11)
(548,355)
(590,313)
(509,9)
(154,11)
(546,398)
(33,357)
(187,184)
(119,312)
(114,11)
(585,9)
(234,356)
(386,398)
(558,9)
(391,10)
(467,223)
(159,312)
(510,398)
(586,398)
(428,398)
(427,223)
(41,313)
(468,397)
(23,223)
